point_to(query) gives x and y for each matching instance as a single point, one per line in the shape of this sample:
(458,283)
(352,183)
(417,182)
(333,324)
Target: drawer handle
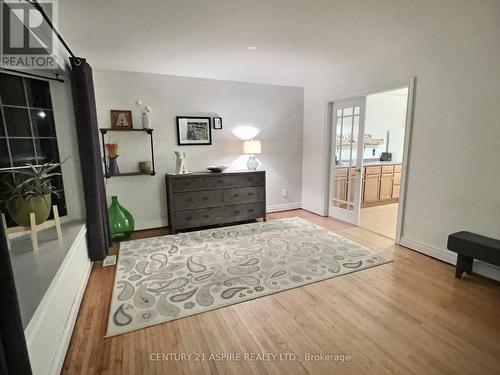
(220,181)
(235,195)
(250,210)
(236,212)
(206,216)
(189,199)
(205,198)
(186,183)
(249,179)
(249,194)
(189,218)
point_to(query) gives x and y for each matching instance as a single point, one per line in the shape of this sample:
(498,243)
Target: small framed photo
(194,131)
(121,120)
(218,123)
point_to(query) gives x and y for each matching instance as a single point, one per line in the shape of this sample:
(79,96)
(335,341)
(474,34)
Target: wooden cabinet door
(386,186)
(371,188)
(395,191)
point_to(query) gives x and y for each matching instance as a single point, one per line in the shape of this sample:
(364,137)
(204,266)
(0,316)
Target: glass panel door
(346,164)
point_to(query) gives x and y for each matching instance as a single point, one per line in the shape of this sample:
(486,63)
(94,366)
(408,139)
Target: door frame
(411,85)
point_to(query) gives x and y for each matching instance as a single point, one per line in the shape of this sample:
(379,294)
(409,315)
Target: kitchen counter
(373,163)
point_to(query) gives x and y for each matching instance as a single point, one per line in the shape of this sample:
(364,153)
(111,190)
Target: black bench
(470,246)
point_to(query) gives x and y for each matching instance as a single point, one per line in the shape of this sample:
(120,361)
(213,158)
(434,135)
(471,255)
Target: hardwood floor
(410,316)
(381,219)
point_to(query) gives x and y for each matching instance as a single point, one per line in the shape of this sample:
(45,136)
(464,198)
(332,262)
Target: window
(27,131)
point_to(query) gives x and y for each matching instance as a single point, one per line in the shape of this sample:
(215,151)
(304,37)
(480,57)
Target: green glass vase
(120,220)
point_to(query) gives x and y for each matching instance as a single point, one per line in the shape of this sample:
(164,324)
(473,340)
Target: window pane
(339,113)
(60,201)
(38,93)
(43,123)
(348,111)
(12,90)
(2,129)
(4,154)
(18,123)
(357,110)
(46,150)
(57,181)
(22,151)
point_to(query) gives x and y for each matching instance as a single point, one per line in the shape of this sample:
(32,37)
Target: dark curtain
(98,232)
(14,358)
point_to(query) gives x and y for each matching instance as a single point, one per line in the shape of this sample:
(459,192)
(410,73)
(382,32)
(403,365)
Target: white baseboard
(150,224)
(49,331)
(313,209)
(284,207)
(481,268)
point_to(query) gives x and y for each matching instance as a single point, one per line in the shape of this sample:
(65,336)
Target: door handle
(358,170)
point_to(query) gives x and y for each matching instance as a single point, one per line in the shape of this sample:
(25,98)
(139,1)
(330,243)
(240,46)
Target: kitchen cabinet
(385,186)
(380,184)
(371,188)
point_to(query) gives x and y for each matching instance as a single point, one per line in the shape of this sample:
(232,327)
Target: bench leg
(464,264)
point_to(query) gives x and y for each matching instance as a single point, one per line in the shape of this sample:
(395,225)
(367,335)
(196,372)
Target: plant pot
(120,220)
(145,166)
(20,209)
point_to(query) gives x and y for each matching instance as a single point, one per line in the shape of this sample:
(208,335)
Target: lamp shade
(251,147)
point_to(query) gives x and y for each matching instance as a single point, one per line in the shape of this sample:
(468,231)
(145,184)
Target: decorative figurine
(146,118)
(180,164)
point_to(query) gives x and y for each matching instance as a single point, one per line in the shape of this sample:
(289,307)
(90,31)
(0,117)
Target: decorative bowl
(217,169)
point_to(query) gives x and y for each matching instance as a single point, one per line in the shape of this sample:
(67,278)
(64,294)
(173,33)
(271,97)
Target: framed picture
(121,119)
(194,131)
(218,123)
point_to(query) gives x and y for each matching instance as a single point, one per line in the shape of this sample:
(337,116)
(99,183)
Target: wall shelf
(105,130)
(136,173)
(152,173)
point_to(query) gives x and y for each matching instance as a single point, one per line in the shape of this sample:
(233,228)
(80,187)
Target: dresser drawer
(187,184)
(398,168)
(231,214)
(247,179)
(218,182)
(196,199)
(197,218)
(244,195)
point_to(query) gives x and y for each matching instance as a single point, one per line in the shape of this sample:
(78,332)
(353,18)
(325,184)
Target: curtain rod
(38,7)
(21,72)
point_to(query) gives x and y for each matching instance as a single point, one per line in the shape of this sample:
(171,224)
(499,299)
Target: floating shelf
(132,174)
(105,130)
(148,131)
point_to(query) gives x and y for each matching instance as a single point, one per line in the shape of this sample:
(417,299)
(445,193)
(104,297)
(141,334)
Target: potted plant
(30,190)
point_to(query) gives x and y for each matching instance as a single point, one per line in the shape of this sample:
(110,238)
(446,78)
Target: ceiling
(297,40)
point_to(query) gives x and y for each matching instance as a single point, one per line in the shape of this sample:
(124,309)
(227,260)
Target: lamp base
(252,163)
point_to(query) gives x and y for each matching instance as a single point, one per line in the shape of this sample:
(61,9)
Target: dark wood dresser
(206,199)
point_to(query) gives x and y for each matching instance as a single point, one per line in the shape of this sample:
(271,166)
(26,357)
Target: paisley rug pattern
(165,278)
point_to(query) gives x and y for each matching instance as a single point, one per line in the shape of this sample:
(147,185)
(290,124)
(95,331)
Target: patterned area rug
(165,278)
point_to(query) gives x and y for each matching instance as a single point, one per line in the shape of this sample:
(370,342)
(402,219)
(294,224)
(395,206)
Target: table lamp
(252,147)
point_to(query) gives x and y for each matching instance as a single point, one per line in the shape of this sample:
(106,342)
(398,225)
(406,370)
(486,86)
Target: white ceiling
(297,40)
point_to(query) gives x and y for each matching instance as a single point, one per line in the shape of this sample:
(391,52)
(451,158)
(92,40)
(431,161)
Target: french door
(347,159)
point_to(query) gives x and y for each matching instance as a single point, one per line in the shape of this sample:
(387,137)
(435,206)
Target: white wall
(386,112)
(276,110)
(453,160)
